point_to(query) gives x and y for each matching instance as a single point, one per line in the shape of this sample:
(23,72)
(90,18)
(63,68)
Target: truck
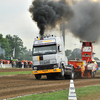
(48,58)
(87,66)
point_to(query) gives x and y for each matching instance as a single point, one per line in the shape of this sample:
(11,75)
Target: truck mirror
(59,48)
(30,52)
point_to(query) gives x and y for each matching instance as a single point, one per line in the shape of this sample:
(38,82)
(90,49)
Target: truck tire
(38,76)
(94,73)
(62,73)
(72,76)
(50,77)
(77,75)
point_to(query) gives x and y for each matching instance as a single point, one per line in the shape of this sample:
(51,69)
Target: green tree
(5,45)
(17,43)
(96,58)
(76,54)
(71,55)
(68,52)
(24,55)
(1,56)
(10,40)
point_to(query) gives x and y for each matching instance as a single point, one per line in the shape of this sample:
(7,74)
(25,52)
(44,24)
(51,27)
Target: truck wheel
(38,76)
(72,74)
(62,71)
(94,73)
(50,77)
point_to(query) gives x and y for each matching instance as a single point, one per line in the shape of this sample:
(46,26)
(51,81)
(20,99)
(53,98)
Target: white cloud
(15,20)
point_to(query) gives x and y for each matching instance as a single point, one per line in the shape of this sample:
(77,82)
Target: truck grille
(42,67)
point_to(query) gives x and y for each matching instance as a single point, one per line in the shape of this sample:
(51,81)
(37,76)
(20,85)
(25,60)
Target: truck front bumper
(46,71)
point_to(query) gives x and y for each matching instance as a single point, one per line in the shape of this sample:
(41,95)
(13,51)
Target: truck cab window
(86,49)
(42,50)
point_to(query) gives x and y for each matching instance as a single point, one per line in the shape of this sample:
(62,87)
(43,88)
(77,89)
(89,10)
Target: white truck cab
(48,57)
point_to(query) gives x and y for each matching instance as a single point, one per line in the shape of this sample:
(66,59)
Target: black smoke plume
(85,23)
(48,13)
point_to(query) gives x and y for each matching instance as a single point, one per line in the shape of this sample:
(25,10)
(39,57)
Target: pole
(63,32)
(63,28)
(76,51)
(13,52)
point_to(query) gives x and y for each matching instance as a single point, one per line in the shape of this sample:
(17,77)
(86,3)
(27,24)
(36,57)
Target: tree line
(76,53)
(9,43)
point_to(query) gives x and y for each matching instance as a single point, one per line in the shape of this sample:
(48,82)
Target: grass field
(15,73)
(84,92)
(63,95)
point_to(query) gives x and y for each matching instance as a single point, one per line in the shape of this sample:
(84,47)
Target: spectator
(22,64)
(12,64)
(16,63)
(26,64)
(1,64)
(19,64)
(32,66)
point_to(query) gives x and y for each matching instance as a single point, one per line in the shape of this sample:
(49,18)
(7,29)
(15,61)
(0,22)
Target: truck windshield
(86,49)
(42,50)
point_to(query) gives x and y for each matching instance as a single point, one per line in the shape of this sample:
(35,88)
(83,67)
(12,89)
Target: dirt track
(12,86)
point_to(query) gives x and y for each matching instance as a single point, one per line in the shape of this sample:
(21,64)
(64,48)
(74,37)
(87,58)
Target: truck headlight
(35,68)
(55,66)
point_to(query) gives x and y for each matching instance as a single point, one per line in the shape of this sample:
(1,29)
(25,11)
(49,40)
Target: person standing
(26,64)
(22,64)
(12,64)
(1,65)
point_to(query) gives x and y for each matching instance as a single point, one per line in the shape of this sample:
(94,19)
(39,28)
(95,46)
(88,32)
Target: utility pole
(63,32)
(14,53)
(75,51)
(62,27)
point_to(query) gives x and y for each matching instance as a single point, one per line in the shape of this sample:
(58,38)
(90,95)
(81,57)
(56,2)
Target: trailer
(87,66)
